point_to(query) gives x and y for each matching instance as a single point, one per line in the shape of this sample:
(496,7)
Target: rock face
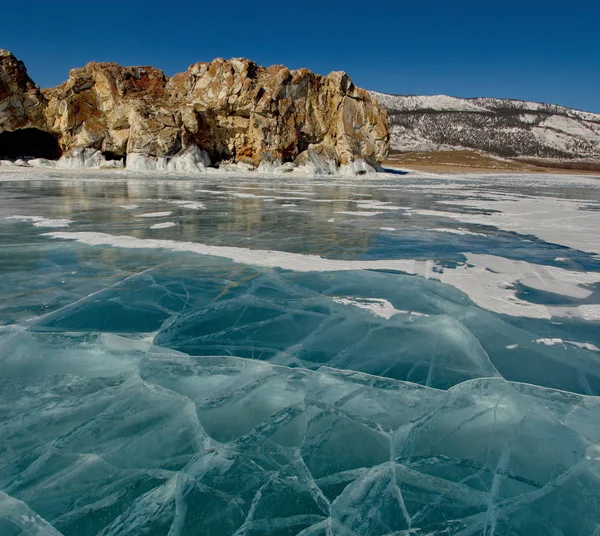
(225,111)
(22,104)
(504,127)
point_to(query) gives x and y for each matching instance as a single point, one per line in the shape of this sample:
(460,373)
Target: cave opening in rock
(28,142)
(110,155)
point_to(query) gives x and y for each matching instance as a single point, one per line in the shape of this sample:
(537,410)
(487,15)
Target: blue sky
(530,50)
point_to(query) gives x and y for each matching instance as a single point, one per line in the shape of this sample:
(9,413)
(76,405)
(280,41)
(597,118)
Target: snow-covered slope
(500,126)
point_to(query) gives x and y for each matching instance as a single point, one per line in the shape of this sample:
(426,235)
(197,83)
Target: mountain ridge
(505,127)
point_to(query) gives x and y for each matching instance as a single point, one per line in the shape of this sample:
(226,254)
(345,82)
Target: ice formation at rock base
(191,161)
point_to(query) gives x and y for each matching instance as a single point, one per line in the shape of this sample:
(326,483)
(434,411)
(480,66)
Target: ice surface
(222,445)
(491,289)
(268,372)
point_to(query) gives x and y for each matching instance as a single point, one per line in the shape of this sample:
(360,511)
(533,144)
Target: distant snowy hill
(503,127)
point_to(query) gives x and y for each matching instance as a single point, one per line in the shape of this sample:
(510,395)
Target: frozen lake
(391,354)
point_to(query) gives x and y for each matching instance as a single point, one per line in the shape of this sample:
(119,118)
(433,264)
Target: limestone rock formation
(222,112)
(22,104)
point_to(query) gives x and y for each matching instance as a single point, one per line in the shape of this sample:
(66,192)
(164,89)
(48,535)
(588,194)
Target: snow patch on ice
(458,232)
(164,225)
(154,215)
(584,346)
(364,214)
(560,221)
(549,342)
(376,306)
(193,205)
(555,341)
(377,205)
(490,282)
(40,221)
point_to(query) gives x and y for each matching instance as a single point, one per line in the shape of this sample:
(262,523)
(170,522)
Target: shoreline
(389,168)
(473,162)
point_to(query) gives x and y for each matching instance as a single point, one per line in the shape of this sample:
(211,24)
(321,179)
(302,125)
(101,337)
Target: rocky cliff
(504,127)
(21,101)
(226,112)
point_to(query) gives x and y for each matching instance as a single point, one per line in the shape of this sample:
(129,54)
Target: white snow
(490,282)
(193,205)
(567,130)
(358,213)
(155,215)
(40,221)
(585,346)
(376,306)
(559,221)
(550,342)
(164,225)
(458,232)
(556,341)
(440,103)
(378,205)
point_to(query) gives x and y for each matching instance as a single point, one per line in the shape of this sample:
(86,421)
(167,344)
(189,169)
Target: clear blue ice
(156,392)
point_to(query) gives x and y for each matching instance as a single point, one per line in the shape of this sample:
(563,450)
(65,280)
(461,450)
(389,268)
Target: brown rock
(21,101)
(234,110)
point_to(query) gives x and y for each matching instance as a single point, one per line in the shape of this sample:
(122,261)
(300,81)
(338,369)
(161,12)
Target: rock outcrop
(218,113)
(22,104)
